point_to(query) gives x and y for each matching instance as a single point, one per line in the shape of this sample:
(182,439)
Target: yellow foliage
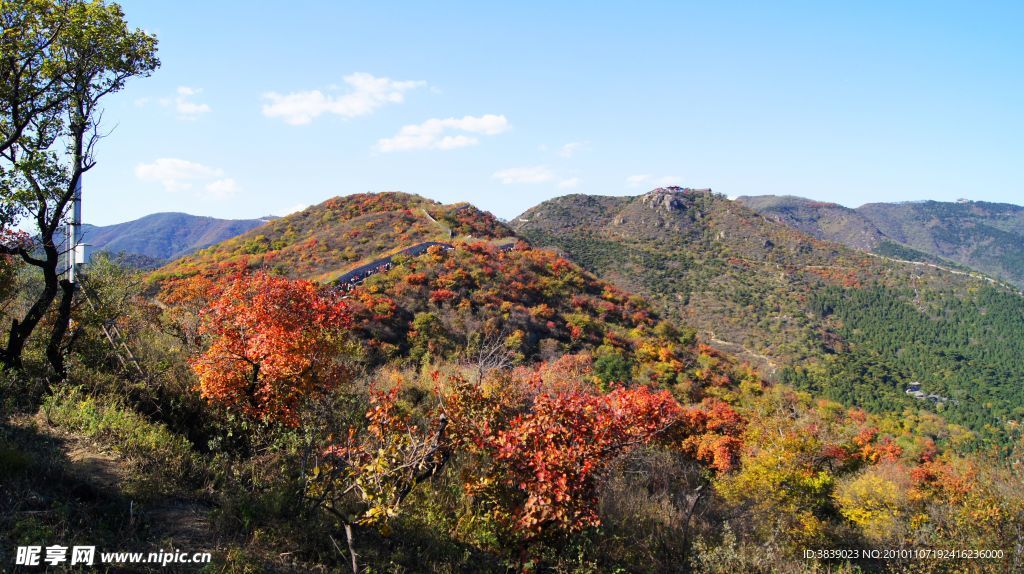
(872,501)
(780,480)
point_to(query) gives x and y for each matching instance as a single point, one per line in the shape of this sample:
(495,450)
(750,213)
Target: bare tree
(491,353)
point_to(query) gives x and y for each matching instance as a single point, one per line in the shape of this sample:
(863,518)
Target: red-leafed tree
(273,342)
(549,449)
(555,452)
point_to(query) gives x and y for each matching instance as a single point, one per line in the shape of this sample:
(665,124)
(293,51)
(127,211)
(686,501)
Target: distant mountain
(161,237)
(987,237)
(853,325)
(823,220)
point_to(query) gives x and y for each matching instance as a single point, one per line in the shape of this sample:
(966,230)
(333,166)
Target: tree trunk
(54,351)
(20,331)
(351,548)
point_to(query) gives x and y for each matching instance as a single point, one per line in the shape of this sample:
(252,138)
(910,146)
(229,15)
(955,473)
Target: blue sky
(263,107)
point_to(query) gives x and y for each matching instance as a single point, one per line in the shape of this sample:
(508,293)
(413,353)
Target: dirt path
(167,522)
(972,274)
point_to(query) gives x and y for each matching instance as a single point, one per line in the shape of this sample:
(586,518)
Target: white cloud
(570,149)
(186,108)
(182,103)
(222,188)
(367,93)
(650,180)
(181,175)
(533,174)
(431,134)
(569,183)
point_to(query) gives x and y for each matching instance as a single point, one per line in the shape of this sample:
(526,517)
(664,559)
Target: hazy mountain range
(988,237)
(161,237)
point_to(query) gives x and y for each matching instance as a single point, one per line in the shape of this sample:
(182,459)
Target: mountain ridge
(985,236)
(323,241)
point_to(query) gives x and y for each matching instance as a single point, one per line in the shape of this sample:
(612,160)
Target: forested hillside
(854,326)
(820,219)
(985,236)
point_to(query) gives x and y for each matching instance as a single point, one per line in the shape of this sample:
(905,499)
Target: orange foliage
(553,452)
(272,343)
(441,295)
(549,435)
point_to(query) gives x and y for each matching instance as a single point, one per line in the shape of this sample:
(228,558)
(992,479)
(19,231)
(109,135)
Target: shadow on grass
(54,493)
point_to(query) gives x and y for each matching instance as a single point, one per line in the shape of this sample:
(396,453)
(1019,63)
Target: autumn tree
(272,343)
(59,59)
(365,476)
(544,441)
(875,500)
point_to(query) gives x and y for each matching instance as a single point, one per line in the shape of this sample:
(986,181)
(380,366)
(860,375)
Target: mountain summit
(325,240)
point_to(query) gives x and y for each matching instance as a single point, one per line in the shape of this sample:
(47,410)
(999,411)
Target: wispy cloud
(294,209)
(651,180)
(437,133)
(183,103)
(367,94)
(569,183)
(222,188)
(568,150)
(637,180)
(185,106)
(181,175)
